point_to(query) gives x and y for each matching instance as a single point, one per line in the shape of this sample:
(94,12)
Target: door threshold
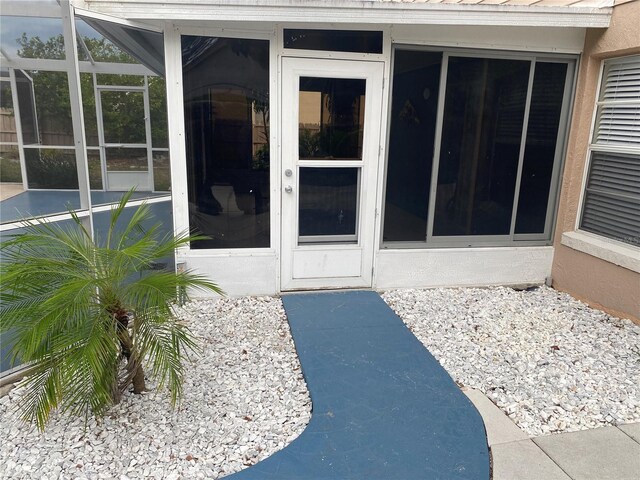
(328,290)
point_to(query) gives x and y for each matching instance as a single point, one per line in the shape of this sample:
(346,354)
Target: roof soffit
(551,13)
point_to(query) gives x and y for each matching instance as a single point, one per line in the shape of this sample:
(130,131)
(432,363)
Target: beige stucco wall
(600,283)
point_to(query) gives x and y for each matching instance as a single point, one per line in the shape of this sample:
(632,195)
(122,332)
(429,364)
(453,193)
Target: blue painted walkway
(383,408)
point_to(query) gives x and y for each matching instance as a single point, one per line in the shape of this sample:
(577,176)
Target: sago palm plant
(86,314)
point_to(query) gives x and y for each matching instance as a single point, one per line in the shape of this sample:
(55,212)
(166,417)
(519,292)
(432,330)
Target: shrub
(87,314)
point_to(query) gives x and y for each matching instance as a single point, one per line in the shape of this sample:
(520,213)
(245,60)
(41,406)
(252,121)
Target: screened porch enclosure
(82,121)
(123,116)
(354,155)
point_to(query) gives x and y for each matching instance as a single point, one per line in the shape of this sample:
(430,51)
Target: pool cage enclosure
(81,120)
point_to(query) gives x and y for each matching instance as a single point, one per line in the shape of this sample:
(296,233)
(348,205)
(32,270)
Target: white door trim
(342,265)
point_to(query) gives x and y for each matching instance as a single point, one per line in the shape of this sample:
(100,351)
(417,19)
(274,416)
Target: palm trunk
(135,372)
(139,384)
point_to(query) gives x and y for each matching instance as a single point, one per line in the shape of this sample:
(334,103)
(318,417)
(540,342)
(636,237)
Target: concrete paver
(500,428)
(523,460)
(631,429)
(598,454)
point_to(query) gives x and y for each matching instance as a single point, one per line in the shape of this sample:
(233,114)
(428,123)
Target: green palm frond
(87,314)
(166,343)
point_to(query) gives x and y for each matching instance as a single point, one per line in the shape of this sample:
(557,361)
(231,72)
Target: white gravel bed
(244,399)
(550,362)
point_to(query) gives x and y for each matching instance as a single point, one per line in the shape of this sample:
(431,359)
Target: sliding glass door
(475,148)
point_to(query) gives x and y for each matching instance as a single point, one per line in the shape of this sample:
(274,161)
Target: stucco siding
(603,284)
(597,282)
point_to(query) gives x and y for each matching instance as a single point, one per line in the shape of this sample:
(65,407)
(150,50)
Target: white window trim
(599,246)
(604,248)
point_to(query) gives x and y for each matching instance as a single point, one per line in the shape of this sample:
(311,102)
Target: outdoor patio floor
(383,407)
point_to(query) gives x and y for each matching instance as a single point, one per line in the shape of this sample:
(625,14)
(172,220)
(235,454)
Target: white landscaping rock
(244,398)
(549,361)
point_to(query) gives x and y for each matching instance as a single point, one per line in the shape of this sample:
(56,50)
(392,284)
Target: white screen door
(124,138)
(330,151)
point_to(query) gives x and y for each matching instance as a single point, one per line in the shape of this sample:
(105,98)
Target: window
(481,135)
(474,161)
(611,205)
(357,41)
(226,101)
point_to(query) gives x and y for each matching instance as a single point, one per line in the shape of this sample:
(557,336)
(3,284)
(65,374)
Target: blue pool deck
(383,407)
(36,203)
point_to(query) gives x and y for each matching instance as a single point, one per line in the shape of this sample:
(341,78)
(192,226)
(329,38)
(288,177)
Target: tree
(87,314)
(102,50)
(34,47)
(122,114)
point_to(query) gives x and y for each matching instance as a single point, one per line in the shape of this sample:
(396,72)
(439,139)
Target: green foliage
(158,110)
(102,49)
(161,173)
(34,47)
(10,167)
(261,158)
(309,143)
(6,101)
(51,168)
(123,112)
(53,108)
(51,88)
(87,314)
(330,142)
(123,116)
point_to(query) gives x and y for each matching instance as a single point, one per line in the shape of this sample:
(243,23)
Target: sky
(12,28)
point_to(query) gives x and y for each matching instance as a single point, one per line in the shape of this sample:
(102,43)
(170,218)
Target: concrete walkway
(609,453)
(383,407)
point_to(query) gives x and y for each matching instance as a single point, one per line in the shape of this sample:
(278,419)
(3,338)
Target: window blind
(619,124)
(612,203)
(612,198)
